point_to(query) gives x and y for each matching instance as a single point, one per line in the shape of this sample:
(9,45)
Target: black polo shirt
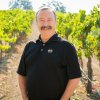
(48,67)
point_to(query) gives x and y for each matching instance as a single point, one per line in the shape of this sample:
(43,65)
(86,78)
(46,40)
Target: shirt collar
(54,38)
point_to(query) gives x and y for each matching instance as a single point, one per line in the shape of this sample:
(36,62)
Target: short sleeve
(22,65)
(71,62)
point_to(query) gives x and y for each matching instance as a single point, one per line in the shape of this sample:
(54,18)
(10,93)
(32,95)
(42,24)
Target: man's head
(46,21)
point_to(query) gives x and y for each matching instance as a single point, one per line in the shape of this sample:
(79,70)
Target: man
(49,68)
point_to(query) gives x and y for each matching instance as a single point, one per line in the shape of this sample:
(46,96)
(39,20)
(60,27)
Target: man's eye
(42,20)
(50,20)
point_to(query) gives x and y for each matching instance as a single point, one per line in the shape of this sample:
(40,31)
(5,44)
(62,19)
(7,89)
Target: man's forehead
(49,11)
(44,11)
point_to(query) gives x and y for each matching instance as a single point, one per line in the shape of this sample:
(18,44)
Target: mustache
(46,27)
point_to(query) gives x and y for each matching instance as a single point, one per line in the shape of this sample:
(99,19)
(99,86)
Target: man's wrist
(64,98)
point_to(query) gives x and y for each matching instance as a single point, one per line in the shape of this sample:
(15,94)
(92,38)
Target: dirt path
(8,78)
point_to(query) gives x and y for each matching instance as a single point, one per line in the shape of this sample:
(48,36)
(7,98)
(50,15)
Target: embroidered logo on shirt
(50,50)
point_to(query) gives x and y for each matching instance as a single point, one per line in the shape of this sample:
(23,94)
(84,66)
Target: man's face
(46,22)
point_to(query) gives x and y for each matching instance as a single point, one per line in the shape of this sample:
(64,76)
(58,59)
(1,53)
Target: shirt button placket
(42,47)
(43,44)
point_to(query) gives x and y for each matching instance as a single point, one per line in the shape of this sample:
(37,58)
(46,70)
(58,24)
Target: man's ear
(56,24)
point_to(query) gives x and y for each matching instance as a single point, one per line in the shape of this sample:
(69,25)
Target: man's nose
(45,23)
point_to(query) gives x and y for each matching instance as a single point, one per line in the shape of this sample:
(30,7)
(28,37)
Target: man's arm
(22,85)
(72,83)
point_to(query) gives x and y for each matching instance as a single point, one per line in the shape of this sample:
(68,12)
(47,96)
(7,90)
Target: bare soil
(9,89)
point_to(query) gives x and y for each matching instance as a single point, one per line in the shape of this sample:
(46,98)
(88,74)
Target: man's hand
(72,83)
(22,85)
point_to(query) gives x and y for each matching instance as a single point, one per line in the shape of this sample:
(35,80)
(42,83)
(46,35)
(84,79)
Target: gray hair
(45,8)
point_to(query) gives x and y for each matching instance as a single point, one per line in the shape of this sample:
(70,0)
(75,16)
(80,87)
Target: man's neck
(44,40)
